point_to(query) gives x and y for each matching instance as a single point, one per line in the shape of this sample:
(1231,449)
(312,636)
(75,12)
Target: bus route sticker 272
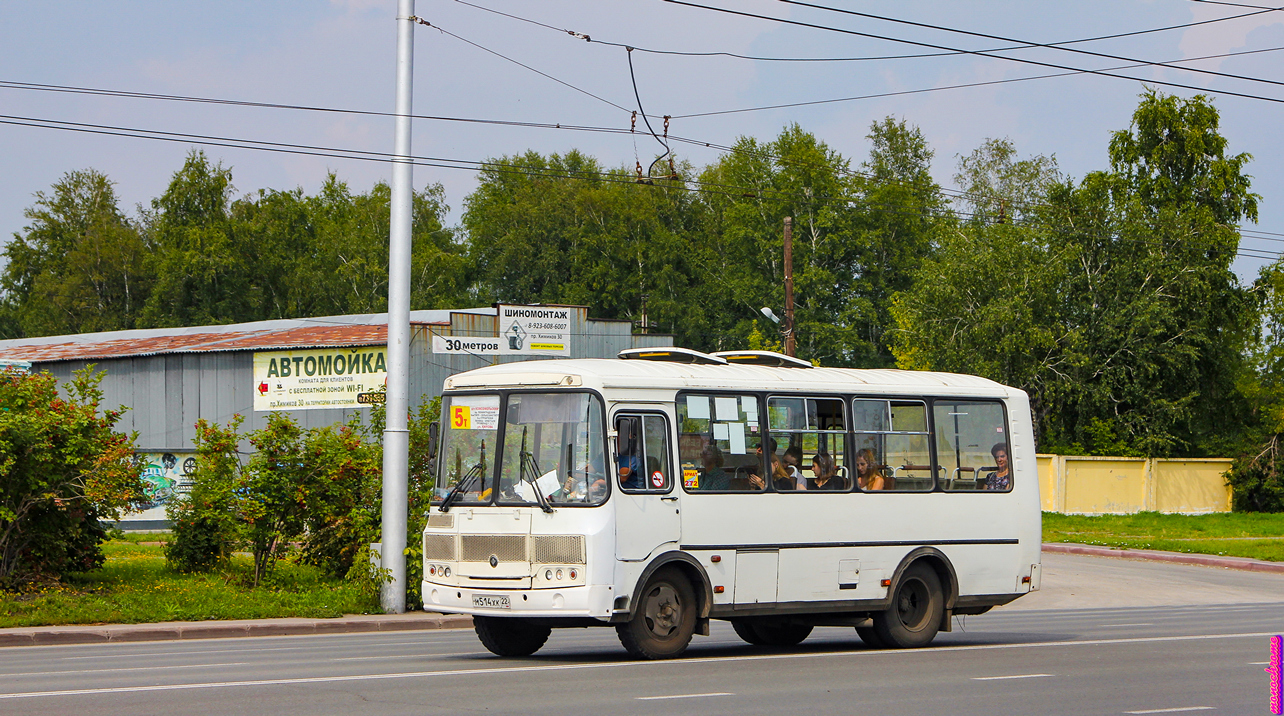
(491,602)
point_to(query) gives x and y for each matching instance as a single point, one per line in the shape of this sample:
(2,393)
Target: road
(1108,657)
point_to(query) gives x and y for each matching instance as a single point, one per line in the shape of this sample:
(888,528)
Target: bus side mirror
(626,438)
(434,433)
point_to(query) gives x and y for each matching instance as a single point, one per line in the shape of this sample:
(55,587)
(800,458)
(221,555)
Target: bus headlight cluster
(438,570)
(561,574)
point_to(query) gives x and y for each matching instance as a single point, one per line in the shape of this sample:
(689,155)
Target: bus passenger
(630,472)
(869,474)
(826,474)
(777,470)
(714,477)
(791,461)
(1001,478)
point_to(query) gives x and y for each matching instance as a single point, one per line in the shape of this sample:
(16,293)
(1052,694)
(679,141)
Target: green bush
(63,470)
(204,526)
(1257,480)
(317,488)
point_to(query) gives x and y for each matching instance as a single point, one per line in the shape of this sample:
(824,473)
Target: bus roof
(615,373)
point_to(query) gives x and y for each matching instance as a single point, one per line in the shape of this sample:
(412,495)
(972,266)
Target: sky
(340,54)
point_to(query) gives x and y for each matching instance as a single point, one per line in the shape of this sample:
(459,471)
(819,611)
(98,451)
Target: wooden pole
(790,345)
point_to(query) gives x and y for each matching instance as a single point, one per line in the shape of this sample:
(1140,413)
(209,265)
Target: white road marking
(409,656)
(126,668)
(1259,663)
(1173,711)
(1107,626)
(1015,676)
(684,696)
(616,665)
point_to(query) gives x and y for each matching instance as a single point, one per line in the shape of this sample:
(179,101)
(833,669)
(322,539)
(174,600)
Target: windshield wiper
(473,473)
(531,468)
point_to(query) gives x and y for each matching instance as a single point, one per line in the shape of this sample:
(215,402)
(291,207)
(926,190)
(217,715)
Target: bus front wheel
(665,619)
(916,611)
(510,637)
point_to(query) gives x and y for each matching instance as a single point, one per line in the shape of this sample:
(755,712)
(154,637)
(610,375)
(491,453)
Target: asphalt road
(1076,658)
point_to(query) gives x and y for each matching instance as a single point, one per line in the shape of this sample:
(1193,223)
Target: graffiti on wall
(166,477)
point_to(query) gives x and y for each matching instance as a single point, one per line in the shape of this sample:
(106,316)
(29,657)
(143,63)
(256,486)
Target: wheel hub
(663,611)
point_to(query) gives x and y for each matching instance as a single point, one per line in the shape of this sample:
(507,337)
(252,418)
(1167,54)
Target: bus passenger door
(646,499)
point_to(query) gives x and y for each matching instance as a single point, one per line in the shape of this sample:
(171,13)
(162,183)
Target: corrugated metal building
(170,377)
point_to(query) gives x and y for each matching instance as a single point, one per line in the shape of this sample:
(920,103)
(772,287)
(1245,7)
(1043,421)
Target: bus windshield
(553,449)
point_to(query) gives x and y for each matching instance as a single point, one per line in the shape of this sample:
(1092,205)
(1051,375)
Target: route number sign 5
(460,417)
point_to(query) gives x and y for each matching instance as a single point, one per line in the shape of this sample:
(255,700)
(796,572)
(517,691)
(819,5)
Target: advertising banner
(534,331)
(465,346)
(320,378)
(166,477)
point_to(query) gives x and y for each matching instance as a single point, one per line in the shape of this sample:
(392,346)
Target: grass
(1253,535)
(135,586)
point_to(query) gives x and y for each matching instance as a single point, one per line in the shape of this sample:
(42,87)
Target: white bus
(659,491)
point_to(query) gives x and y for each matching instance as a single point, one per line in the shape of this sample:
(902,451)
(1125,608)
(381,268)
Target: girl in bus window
(826,474)
(869,474)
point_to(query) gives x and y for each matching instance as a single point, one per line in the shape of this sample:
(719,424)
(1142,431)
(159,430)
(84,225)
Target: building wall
(167,394)
(1123,485)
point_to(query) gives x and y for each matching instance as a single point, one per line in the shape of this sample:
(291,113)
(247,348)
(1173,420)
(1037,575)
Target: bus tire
(665,619)
(745,631)
(510,637)
(781,633)
(870,637)
(916,612)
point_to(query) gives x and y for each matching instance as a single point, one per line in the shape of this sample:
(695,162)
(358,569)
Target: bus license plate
(489,602)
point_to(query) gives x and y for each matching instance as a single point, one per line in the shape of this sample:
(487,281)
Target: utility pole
(396,435)
(790,344)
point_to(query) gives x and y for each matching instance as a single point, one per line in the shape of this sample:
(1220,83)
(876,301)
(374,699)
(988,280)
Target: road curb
(1154,555)
(170,631)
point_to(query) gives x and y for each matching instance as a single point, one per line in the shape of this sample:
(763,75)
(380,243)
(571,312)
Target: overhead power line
(502,56)
(585,37)
(1236,4)
(965,85)
(979,53)
(1027,43)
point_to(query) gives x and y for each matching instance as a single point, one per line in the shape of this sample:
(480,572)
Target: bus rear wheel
(781,633)
(510,637)
(917,608)
(665,619)
(745,630)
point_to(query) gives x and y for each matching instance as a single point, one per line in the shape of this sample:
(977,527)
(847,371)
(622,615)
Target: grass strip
(1251,535)
(135,586)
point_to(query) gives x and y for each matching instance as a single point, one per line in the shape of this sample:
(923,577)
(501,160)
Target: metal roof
(322,332)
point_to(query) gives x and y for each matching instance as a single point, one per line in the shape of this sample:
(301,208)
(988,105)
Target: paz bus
(666,488)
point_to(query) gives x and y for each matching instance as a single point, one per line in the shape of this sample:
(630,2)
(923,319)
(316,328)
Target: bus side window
(972,445)
(893,451)
(716,439)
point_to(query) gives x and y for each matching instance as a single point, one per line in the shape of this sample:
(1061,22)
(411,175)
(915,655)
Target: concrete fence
(1083,485)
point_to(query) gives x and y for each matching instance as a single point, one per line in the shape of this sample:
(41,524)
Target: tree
(903,216)
(561,229)
(79,266)
(63,471)
(201,266)
(1120,290)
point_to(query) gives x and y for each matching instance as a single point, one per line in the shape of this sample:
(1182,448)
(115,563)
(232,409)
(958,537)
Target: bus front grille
(439,547)
(557,549)
(506,548)
(440,521)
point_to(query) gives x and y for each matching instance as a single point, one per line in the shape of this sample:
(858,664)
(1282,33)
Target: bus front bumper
(593,600)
